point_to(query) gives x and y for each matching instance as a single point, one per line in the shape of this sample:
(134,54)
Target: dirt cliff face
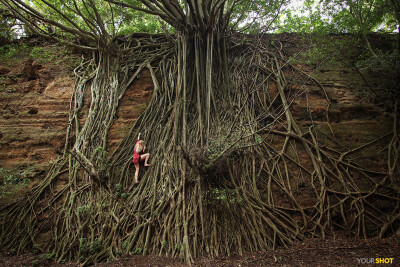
(35,100)
(34,110)
(34,113)
(353,120)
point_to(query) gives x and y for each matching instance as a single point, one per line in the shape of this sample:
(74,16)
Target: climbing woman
(138,155)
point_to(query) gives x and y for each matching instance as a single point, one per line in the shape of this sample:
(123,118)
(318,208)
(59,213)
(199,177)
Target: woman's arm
(138,137)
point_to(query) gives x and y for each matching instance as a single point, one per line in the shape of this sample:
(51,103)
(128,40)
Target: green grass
(14,180)
(10,54)
(14,54)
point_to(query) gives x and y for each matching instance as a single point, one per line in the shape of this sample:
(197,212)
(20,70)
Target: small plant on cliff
(83,248)
(119,192)
(36,248)
(13,179)
(55,54)
(84,210)
(218,197)
(137,251)
(385,64)
(100,155)
(46,54)
(13,53)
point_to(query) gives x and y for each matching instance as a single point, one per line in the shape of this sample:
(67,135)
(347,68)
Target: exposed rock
(33,119)
(33,111)
(29,72)
(4,70)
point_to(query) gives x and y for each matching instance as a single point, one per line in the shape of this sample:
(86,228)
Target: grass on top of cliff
(376,73)
(15,53)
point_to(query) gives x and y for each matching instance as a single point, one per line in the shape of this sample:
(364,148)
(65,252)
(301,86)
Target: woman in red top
(138,155)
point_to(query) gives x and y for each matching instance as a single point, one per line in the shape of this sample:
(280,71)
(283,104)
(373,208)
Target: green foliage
(88,248)
(135,21)
(7,52)
(385,62)
(11,180)
(125,245)
(35,263)
(84,210)
(46,256)
(137,251)
(44,54)
(116,20)
(7,23)
(387,65)
(350,52)
(55,54)
(118,189)
(125,195)
(36,248)
(304,19)
(258,139)
(83,248)
(221,143)
(317,54)
(119,192)
(331,49)
(221,196)
(95,246)
(357,16)
(100,155)
(253,16)
(40,53)
(248,15)
(13,53)
(338,16)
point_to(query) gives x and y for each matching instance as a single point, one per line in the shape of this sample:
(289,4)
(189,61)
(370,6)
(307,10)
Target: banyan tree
(224,144)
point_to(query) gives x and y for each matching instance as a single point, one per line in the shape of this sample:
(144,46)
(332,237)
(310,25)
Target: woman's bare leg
(136,173)
(145,157)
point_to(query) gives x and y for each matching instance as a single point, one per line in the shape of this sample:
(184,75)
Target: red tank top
(136,156)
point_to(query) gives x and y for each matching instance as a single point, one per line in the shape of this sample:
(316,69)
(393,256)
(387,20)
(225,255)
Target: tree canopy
(341,16)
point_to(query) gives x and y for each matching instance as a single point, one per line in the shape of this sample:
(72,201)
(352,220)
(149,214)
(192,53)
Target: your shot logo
(375,260)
